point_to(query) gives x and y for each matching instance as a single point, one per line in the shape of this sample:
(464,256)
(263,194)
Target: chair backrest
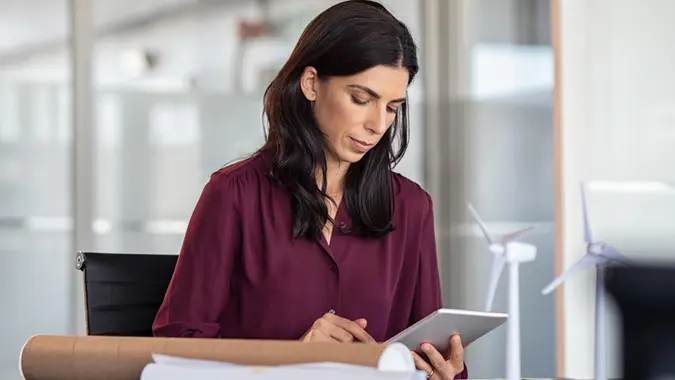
(122,292)
(644,294)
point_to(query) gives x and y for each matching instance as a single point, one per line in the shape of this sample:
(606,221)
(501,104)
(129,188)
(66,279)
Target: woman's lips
(361,146)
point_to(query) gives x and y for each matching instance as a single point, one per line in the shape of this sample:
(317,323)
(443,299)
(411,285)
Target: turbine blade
(481,224)
(515,235)
(497,267)
(612,254)
(584,209)
(587,261)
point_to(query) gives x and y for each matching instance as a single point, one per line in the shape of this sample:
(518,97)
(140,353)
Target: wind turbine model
(511,252)
(598,254)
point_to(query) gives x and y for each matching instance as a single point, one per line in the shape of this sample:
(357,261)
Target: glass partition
(179,95)
(490,143)
(35,175)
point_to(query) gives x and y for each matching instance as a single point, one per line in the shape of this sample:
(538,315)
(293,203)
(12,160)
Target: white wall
(618,125)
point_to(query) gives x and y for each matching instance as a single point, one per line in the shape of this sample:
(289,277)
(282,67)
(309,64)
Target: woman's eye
(392,109)
(358,101)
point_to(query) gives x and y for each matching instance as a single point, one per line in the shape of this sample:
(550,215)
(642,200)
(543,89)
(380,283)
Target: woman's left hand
(442,367)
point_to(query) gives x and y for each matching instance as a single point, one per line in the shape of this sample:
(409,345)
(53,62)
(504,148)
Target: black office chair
(645,296)
(123,292)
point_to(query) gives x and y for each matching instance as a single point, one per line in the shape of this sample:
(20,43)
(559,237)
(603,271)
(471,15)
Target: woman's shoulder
(240,176)
(411,197)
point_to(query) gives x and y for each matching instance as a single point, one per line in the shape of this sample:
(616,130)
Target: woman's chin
(352,157)
(346,155)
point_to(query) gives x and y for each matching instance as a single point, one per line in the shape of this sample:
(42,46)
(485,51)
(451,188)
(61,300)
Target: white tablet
(437,327)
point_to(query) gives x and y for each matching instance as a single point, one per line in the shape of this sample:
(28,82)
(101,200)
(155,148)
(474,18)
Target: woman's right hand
(333,328)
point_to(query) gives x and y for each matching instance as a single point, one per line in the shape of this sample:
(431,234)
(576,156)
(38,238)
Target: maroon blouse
(241,275)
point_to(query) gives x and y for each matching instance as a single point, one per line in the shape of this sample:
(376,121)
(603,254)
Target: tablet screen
(439,326)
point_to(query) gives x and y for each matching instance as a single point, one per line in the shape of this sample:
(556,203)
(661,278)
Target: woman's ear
(309,83)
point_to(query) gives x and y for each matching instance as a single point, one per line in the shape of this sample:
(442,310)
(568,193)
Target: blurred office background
(113,113)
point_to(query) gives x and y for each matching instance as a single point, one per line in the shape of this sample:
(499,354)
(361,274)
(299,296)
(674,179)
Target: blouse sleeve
(199,288)
(428,294)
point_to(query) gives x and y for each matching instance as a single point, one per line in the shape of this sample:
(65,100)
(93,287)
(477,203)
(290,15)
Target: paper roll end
(23,348)
(396,357)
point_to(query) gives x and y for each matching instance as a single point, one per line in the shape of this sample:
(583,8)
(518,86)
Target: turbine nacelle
(497,249)
(595,248)
(514,251)
(517,252)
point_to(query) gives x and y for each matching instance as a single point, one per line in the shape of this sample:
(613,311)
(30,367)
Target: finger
(420,363)
(456,354)
(361,322)
(351,327)
(323,337)
(330,329)
(315,335)
(437,360)
(340,334)
(358,332)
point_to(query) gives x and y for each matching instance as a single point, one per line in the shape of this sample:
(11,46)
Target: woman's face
(354,112)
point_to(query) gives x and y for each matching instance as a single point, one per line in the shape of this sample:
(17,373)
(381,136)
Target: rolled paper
(68,357)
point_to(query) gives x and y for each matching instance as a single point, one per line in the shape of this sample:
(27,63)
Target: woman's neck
(336,172)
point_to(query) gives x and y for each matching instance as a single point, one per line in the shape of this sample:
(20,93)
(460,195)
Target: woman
(314,237)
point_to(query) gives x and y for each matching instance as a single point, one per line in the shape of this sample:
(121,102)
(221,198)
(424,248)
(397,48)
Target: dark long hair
(345,39)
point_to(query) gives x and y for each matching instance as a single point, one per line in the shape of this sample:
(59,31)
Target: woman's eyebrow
(372,92)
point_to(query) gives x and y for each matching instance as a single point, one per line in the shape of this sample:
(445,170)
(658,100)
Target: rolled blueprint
(65,357)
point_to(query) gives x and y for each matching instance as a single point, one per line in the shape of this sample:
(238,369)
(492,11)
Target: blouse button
(332,311)
(343,225)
